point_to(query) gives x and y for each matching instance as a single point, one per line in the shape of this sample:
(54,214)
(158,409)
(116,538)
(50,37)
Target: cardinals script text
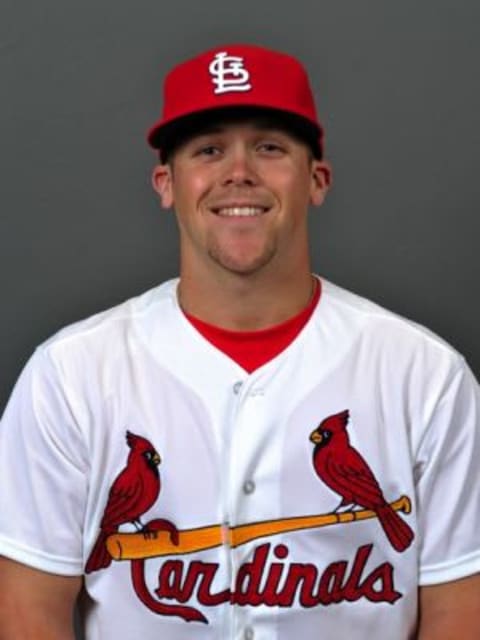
(267,580)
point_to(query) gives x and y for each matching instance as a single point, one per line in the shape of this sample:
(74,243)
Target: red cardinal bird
(343,469)
(133,492)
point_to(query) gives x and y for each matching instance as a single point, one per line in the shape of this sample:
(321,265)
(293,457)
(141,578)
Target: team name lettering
(267,580)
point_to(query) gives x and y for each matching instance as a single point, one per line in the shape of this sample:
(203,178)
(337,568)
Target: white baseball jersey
(250,542)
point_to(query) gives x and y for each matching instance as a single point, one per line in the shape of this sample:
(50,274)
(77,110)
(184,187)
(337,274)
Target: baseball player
(247,451)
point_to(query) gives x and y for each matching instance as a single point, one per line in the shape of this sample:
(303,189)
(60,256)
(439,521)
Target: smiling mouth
(239,212)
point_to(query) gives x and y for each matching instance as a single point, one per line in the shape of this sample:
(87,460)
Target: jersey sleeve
(448,485)
(43,472)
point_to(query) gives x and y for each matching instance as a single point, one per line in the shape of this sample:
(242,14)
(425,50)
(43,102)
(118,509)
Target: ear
(162,183)
(321,181)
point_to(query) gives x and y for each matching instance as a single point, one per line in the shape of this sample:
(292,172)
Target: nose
(240,169)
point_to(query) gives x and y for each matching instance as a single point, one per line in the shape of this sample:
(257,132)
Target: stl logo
(228,73)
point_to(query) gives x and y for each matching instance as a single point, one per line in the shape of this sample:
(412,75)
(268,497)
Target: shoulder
(98,344)
(366,315)
(117,323)
(382,338)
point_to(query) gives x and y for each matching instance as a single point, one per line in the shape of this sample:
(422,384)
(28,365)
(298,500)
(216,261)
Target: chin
(243,267)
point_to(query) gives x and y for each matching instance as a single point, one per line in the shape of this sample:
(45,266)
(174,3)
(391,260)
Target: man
(248,452)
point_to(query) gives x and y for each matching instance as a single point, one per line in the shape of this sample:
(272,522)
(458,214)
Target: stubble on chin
(243,265)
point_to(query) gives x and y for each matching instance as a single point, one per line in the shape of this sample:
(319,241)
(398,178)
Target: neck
(246,303)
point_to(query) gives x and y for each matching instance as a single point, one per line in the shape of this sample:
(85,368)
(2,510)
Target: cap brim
(165,135)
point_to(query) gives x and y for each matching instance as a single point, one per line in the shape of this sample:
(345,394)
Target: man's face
(241,194)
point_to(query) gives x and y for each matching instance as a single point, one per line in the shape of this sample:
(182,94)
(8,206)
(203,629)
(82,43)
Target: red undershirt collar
(252,349)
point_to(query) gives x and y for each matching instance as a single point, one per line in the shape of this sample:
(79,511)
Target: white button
(249,486)
(249,633)
(237,386)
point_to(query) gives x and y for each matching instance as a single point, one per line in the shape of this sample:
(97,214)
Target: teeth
(240,211)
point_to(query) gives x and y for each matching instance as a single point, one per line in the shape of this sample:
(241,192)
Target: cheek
(293,187)
(190,188)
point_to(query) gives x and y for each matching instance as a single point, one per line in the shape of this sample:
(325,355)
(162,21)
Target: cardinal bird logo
(343,469)
(133,493)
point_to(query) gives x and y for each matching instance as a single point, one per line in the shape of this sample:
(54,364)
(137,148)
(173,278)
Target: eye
(327,434)
(270,147)
(148,455)
(208,150)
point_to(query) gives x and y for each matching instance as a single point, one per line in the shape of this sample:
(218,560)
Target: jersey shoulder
(376,319)
(104,335)
(383,336)
(136,309)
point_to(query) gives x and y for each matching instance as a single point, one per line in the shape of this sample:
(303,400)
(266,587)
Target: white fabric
(241,454)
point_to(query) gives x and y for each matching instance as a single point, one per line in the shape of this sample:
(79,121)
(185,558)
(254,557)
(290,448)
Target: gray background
(397,89)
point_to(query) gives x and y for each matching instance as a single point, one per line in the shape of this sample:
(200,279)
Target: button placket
(248,487)
(239,394)
(249,633)
(237,387)
(246,393)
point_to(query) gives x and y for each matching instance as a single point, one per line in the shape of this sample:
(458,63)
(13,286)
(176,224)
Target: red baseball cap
(236,75)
